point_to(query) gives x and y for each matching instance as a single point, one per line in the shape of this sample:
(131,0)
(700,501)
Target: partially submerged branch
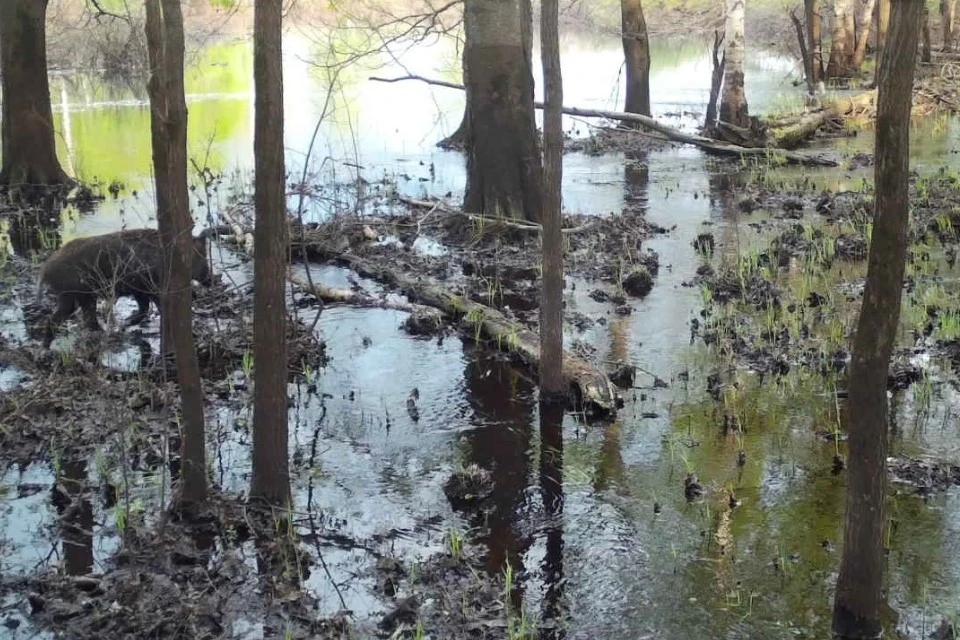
(707,144)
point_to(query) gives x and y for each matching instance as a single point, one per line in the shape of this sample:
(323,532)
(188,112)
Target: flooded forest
(479,319)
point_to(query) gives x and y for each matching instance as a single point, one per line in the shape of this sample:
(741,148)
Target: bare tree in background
(28,145)
(842,42)
(947,10)
(857,605)
(271,470)
(733,99)
(168,128)
(636,53)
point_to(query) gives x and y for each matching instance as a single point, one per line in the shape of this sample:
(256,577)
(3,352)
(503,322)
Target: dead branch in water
(707,144)
(474,217)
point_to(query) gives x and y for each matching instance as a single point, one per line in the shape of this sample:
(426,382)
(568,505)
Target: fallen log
(709,145)
(591,389)
(788,133)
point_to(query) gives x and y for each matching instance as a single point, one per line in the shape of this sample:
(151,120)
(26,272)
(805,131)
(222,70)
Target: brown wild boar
(124,263)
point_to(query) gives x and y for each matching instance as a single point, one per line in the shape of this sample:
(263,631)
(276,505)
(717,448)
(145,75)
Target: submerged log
(709,145)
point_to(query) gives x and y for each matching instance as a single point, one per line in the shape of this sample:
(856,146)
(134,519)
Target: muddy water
(593,549)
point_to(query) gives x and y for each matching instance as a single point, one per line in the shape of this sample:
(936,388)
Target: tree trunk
(636,54)
(811,13)
(168,128)
(716,82)
(883,23)
(733,101)
(271,475)
(503,163)
(842,41)
(28,146)
(946,17)
(925,35)
(858,599)
(866,20)
(805,55)
(551,293)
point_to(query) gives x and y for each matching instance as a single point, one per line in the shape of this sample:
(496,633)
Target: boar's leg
(143,310)
(66,305)
(88,305)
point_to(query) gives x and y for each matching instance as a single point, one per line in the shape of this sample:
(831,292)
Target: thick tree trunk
(811,13)
(925,53)
(28,145)
(271,474)
(716,82)
(168,127)
(858,600)
(733,100)
(842,41)
(946,18)
(551,292)
(636,55)
(863,37)
(503,163)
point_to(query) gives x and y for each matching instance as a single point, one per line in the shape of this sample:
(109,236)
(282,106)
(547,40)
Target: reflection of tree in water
(636,177)
(724,184)
(72,501)
(502,403)
(551,493)
(35,230)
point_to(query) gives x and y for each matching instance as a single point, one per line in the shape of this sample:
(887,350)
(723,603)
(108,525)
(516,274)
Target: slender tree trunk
(271,475)
(28,145)
(551,293)
(925,35)
(805,55)
(503,164)
(733,100)
(168,127)
(716,82)
(863,37)
(842,41)
(883,23)
(636,54)
(946,17)
(858,600)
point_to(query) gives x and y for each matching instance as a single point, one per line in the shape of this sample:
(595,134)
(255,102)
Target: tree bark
(551,292)
(636,54)
(503,163)
(168,128)
(925,53)
(842,41)
(28,145)
(863,37)
(733,101)
(858,598)
(271,474)
(946,17)
(883,24)
(814,48)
